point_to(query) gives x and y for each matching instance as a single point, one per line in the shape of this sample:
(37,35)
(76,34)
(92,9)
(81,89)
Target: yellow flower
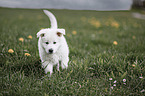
(133,65)
(21,39)
(11,51)
(95,22)
(115,24)
(30,37)
(133,37)
(74,32)
(27,54)
(115,43)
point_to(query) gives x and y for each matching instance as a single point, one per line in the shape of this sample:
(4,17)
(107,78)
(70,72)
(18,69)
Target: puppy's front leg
(64,63)
(58,66)
(48,67)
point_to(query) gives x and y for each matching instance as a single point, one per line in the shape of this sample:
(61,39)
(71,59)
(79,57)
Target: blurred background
(75,4)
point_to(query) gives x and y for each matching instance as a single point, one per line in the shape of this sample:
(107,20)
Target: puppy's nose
(50,50)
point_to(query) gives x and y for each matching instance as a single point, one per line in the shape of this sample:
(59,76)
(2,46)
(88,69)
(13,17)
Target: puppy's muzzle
(50,51)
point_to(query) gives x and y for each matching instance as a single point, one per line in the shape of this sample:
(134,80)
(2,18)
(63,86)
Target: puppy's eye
(46,42)
(54,42)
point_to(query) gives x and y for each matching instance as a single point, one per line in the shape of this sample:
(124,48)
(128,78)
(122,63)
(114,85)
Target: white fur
(52,39)
(52,19)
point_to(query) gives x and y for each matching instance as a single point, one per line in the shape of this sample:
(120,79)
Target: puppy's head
(51,39)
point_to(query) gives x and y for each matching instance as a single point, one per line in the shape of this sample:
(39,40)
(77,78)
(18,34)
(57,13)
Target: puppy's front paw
(64,63)
(64,66)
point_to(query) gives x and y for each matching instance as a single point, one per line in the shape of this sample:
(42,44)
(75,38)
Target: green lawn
(105,49)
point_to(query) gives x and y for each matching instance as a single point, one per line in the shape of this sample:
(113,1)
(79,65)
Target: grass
(94,58)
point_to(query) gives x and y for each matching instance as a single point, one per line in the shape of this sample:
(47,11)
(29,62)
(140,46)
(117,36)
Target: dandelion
(124,80)
(11,51)
(115,43)
(95,23)
(21,39)
(74,32)
(133,37)
(110,79)
(30,37)
(27,54)
(114,24)
(133,65)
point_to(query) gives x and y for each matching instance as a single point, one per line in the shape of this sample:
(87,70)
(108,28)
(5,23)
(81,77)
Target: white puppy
(52,46)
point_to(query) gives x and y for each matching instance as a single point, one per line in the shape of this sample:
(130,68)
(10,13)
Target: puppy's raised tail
(52,19)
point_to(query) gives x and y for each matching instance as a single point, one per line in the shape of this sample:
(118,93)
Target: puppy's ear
(60,32)
(41,33)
